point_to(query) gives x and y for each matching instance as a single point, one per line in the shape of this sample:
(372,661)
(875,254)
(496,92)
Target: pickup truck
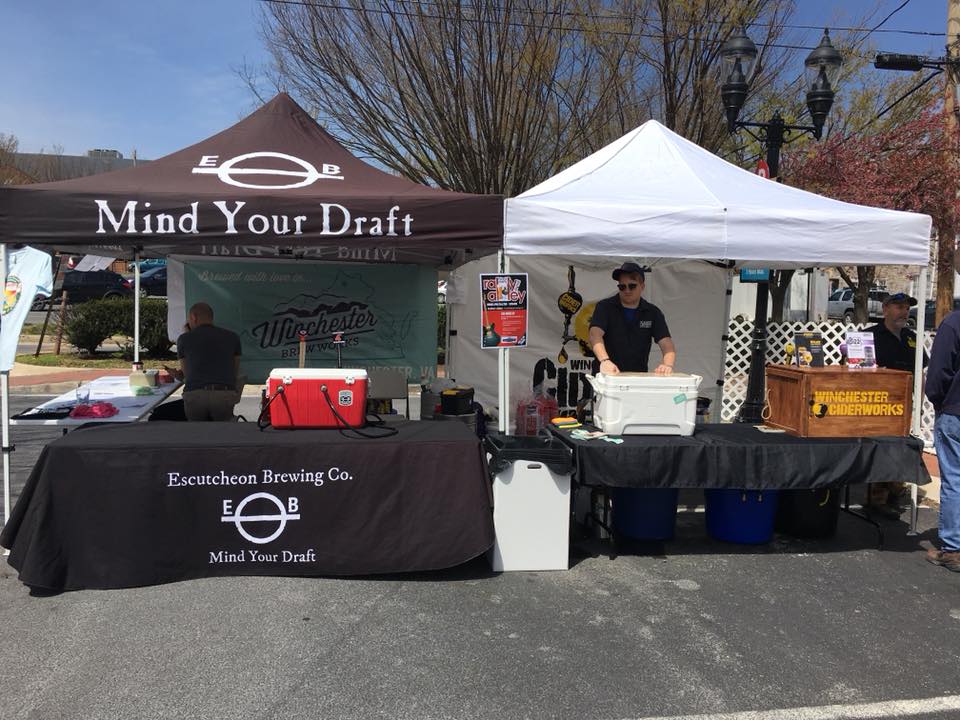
(930,314)
(840,305)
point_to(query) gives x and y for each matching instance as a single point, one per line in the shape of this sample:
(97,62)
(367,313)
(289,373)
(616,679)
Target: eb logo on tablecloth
(284,513)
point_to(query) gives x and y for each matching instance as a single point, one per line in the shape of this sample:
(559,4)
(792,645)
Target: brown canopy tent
(273,185)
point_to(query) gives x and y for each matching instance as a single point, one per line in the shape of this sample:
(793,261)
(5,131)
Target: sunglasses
(624,286)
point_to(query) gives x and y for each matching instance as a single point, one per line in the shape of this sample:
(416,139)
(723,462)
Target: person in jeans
(943,390)
(210,360)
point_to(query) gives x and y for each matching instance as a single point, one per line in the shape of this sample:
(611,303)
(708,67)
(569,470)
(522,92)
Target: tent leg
(503,369)
(7,447)
(5,409)
(136,306)
(917,384)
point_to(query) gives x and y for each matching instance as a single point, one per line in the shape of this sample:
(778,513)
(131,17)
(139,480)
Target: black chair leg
(862,516)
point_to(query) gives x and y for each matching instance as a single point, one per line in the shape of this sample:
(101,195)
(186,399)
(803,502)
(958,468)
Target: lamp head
(739,55)
(822,65)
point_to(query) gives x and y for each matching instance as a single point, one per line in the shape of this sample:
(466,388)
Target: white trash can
(531,503)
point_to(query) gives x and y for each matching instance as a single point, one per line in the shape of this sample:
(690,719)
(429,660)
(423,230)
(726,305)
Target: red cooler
(304,404)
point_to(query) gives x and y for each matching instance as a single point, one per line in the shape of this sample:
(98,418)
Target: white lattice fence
(737,363)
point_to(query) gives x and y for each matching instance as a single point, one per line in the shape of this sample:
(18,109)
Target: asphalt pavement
(691,628)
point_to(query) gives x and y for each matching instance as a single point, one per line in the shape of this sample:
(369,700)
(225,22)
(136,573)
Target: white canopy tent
(654,194)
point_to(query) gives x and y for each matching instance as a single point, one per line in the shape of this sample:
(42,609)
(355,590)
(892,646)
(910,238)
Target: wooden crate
(836,402)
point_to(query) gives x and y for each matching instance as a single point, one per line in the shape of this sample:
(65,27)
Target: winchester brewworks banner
(387,315)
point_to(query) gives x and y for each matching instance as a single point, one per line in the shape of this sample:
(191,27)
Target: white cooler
(531,516)
(645,403)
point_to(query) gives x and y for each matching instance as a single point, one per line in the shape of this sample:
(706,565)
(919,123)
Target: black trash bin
(809,513)
(506,449)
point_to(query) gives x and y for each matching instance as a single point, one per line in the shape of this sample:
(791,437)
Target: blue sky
(157,76)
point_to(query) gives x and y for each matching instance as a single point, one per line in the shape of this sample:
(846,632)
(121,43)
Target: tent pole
(917,384)
(449,367)
(7,449)
(5,409)
(503,365)
(136,305)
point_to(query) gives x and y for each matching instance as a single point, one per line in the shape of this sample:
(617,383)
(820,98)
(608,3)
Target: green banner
(387,314)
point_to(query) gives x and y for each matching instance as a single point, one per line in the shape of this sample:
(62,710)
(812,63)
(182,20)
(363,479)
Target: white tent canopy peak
(653,193)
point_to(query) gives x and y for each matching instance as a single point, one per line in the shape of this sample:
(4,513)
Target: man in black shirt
(210,360)
(624,327)
(896,347)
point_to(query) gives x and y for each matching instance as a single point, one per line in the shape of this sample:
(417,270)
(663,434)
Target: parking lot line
(860,711)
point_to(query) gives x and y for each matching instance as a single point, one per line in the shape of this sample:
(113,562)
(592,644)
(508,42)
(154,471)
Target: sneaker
(949,560)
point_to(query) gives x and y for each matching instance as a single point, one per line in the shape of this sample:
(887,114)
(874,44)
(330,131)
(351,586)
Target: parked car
(148,264)
(840,304)
(154,281)
(929,314)
(94,285)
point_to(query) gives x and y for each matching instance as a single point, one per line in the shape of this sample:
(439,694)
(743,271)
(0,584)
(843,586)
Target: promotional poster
(503,313)
(809,349)
(861,353)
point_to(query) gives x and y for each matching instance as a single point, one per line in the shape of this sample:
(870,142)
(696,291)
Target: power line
(901,7)
(424,3)
(596,16)
(620,33)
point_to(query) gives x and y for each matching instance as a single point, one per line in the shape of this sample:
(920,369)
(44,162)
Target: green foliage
(441,325)
(441,333)
(89,324)
(153,326)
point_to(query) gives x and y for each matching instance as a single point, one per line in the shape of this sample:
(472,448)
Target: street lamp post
(821,68)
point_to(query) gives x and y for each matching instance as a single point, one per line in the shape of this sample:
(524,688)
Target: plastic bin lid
(319,373)
(647,380)
(507,449)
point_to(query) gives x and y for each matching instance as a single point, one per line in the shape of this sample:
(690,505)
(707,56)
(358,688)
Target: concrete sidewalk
(41,380)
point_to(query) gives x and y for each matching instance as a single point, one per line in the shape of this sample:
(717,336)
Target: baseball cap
(900,297)
(628,267)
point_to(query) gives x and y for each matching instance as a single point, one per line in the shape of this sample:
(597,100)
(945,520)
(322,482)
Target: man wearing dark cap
(896,347)
(624,326)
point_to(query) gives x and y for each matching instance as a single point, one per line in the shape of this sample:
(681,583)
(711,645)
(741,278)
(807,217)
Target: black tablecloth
(740,456)
(117,506)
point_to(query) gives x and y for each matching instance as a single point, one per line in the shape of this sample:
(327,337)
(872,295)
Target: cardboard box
(833,401)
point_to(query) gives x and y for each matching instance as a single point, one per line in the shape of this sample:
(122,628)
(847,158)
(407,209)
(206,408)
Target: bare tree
(9,173)
(51,166)
(497,95)
(475,95)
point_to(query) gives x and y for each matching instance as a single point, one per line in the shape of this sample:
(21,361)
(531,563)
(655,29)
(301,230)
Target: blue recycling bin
(645,513)
(741,516)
